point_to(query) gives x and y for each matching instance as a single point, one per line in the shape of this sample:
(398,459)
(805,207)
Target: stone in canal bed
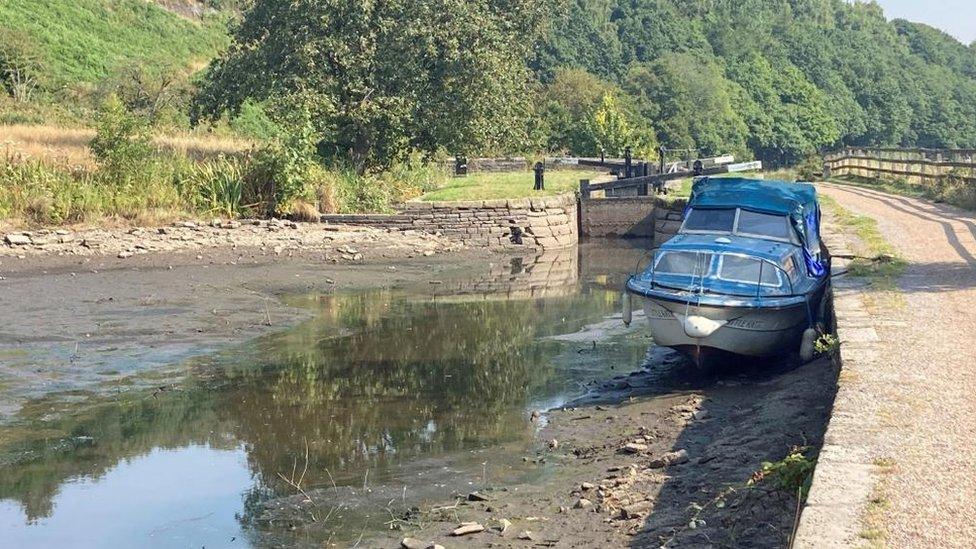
(17,239)
(467,528)
(412,543)
(670,458)
(583,503)
(635,448)
(636,510)
(477,496)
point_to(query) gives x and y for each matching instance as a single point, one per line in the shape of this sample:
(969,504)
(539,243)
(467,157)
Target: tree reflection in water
(376,379)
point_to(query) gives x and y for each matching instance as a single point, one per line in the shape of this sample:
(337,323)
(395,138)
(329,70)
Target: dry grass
(68,147)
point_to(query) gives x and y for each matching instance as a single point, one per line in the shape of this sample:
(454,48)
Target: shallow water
(386,398)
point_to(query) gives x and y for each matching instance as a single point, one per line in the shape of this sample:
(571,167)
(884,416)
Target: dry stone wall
(543,223)
(632,217)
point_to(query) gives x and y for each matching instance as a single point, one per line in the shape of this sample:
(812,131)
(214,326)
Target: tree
(568,104)
(688,98)
(20,65)
(386,77)
(787,115)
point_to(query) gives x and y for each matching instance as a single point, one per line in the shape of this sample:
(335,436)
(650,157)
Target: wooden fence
(918,166)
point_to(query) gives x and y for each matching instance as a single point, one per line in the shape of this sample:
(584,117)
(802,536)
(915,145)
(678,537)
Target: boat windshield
(738,222)
(747,270)
(724,273)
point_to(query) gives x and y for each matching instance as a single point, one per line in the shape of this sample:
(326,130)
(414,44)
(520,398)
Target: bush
(122,143)
(810,169)
(957,191)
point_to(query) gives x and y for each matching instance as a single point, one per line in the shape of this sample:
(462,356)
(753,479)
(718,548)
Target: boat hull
(747,331)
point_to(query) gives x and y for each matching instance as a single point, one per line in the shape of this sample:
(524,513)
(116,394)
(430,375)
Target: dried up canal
(380,405)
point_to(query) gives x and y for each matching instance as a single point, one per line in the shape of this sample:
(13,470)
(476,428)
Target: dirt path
(924,438)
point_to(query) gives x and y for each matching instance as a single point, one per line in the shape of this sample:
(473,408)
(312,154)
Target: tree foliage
(777,78)
(386,77)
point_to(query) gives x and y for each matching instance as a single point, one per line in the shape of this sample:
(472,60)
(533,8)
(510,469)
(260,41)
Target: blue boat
(747,273)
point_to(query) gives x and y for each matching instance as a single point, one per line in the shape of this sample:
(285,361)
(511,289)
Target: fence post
(584,188)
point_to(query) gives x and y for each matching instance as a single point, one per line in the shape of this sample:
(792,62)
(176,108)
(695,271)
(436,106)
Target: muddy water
(385,398)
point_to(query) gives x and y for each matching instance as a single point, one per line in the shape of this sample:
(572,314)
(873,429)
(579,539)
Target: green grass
(485,186)
(86,41)
(886,266)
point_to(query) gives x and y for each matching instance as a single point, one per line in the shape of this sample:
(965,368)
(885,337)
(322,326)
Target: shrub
(810,169)
(957,191)
(122,143)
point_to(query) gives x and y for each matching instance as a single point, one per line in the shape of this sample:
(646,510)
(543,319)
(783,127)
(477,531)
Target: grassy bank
(80,43)
(486,186)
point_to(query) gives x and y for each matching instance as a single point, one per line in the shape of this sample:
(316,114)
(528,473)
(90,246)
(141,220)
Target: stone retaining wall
(541,223)
(667,219)
(632,217)
(844,478)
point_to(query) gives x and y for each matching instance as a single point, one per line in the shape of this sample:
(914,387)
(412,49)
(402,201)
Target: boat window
(734,268)
(790,267)
(761,224)
(721,221)
(683,263)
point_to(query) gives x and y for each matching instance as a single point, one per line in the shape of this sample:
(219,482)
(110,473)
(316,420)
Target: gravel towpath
(923,431)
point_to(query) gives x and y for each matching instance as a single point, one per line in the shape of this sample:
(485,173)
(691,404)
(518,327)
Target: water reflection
(412,388)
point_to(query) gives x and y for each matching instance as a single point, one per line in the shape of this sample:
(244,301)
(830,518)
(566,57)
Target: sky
(957,17)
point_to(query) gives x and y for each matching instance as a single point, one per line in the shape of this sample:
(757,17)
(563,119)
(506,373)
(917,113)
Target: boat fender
(699,327)
(808,345)
(627,309)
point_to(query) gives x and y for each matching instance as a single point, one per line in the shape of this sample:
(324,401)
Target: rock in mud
(504,525)
(583,503)
(636,510)
(634,448)
(477,496)
(670,458)
(467,528)
(411,543)
(17,239)
(526,535)
(587,486)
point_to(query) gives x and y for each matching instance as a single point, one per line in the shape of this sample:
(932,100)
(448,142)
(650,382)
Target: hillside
(778,77)
(78,49)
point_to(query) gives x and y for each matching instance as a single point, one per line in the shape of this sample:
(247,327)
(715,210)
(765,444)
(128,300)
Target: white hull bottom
(737,330)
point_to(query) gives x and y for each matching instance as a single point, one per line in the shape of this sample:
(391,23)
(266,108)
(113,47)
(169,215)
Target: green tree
(386,77)
(787,115)
(610,127)
(688,99)
(20,65)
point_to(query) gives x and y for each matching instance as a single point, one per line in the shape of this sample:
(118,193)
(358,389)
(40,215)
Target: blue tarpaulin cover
(797,200)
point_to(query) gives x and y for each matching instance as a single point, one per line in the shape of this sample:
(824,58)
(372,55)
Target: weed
(792,474)
(827,344)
